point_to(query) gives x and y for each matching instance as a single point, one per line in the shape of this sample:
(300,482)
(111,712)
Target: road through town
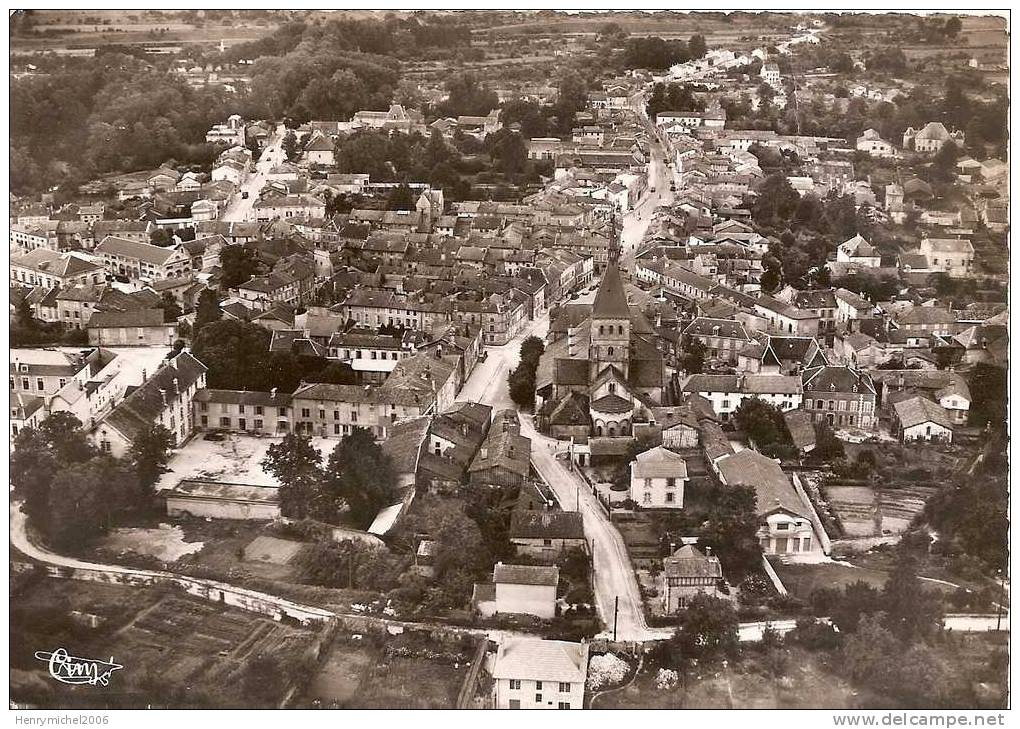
(242,208)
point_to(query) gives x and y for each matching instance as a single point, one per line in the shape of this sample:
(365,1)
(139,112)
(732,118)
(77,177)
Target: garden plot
(864,511)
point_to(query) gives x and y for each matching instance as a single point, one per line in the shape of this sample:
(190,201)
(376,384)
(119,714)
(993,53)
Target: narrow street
(242,209)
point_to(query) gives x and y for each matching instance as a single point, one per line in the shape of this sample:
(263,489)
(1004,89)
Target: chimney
(708,551)
(272,394)
(485,452)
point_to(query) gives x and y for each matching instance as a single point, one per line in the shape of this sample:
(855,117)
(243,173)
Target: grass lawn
(803,579)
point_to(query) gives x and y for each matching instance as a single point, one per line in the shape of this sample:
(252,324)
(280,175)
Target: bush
(814,635)
(606,670)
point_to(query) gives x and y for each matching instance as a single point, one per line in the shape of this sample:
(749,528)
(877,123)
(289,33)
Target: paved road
(242,209)
(614,576)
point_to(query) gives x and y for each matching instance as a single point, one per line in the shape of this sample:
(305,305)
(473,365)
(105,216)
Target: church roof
(610,301)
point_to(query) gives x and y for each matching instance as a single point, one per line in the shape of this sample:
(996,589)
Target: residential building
(918,418)
(520,590)
(726,392)
(545,534)
(688,572)
(785,524)
(840,396)
(141,261)
(657,479)
(164,399)
(530,673)
(954,256)
(132,328)
(50,269)
(235,411)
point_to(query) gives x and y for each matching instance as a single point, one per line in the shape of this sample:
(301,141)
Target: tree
(761,422)
(696,46)
(236,353)
(171,309)
(65,435)
(294,462)
(359,477)
(207,309)
(84,497)
(400,198)
(953,26)
(290,145)
(692,362)
(238,263)
(731,529)
(149,454)
(776,202)
(707,631)
(869,654)
(531,350)
(33,466)
(912,613)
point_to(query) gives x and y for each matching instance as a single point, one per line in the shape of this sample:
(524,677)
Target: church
(601,373)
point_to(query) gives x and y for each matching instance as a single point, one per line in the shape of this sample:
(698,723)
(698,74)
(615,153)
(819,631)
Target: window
(104,446)
(305,413)
(647,497)
(203,407)
(515,683)
(563,705)
(258,410)
(322,414)
(670,497)
(670,483)
(782,526)
(205,421)
(63,382)
(538,698)
(538,687)
(281,411)
(336,428)
(40,385)
(565,689)
(648,483)
(258,424)
(354,416)
(225,422)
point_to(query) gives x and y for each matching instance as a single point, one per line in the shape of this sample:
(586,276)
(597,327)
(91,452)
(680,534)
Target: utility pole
(1002,594)
(577,497)
(616,615)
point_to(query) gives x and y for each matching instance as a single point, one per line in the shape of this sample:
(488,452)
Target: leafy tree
(171,309)
(912,613)
(33,466)
(731,529)
(238,263)
(827,446)
(707,631)
(467,97)
(84,497)
(692,362)
(400,198)
(207,309)
(360,478)
(531,350)
(149,454)
(776,202)
(290,145)
(869,653)
(696,46)
(236,353)
(762,422)
(65,435)
(294,462)
(337,373)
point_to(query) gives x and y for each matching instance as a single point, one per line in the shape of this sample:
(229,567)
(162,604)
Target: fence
(467,689)
(823,538)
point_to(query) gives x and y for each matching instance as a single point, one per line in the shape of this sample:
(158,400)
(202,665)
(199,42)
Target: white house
(525,590)
(918,418)
(859,251)
(785,523)
(657,479)
(726,392)
(872,143)
(954,256)
(530,673)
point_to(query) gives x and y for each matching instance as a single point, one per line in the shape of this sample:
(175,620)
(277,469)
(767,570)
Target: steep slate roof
(832,378)
(141,408)
(146,252)
(771,486)
(688,561)
(542,660)
(243,397)
(132,318)
(659,462)
(610,300)
(918,410)
(524,574)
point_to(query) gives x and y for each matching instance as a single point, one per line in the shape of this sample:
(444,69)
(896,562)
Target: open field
(803,579)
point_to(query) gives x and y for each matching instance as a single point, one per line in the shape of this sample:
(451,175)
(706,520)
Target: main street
(242,208)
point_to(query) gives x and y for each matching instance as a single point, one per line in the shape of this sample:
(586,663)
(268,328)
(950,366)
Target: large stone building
(606,374)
